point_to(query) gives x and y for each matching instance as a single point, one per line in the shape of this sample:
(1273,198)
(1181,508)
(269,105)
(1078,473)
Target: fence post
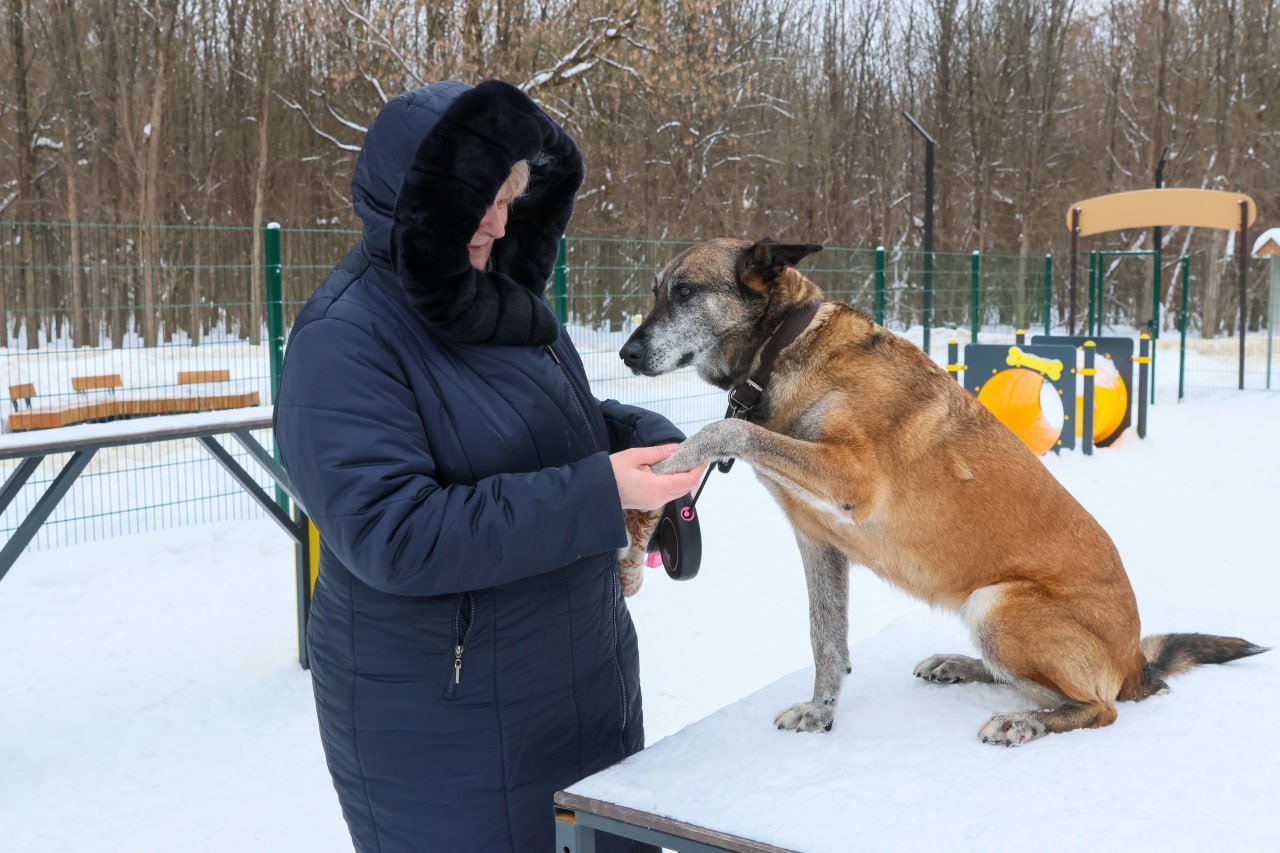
(880,285)
(275,310)
(1048,292)
(1145,350)
(275,324)
(974,294)
(1089,371)
(1093,274)
(559,285)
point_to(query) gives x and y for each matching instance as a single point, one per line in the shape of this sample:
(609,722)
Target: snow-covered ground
(150,698)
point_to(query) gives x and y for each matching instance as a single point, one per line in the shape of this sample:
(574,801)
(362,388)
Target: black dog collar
(745,396)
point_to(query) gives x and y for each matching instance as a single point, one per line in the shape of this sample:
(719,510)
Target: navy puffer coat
(470,650)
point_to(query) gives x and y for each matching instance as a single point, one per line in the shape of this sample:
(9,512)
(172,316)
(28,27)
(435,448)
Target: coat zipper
(465,601)
(573,391)
(617,593)
(622,682)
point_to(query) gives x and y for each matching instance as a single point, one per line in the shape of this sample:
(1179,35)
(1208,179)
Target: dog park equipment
(1012,381)
(1160,208)
(1268,246)
(1052,391)
(83,441)
(1112,379)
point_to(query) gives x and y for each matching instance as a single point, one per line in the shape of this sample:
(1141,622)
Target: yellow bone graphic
(1049,367)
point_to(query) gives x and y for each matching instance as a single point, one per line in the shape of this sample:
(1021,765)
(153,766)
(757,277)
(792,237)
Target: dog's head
(711,304)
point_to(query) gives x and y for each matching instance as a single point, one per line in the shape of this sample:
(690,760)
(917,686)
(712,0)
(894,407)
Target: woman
(470,649)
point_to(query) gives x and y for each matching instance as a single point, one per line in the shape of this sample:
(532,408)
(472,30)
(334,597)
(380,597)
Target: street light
(928,226)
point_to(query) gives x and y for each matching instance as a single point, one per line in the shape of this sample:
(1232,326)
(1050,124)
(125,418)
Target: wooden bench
(24,392)
(112,406)
(105,382)
(191,377)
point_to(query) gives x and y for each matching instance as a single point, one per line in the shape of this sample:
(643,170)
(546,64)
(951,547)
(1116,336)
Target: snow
(1270,239)
(151,700)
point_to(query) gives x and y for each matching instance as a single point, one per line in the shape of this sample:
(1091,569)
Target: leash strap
(745,396)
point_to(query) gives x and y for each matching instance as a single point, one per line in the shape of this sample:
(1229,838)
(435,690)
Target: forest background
(697,118)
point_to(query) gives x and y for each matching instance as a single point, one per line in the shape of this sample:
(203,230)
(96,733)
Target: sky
(150,697)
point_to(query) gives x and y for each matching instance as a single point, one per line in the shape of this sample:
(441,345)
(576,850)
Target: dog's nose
(631,353)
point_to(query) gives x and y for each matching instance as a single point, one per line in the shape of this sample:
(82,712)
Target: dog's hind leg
(1035,641)
(826,572)
(1019,727)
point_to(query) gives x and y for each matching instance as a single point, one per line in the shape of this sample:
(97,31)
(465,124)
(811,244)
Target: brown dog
(878,457)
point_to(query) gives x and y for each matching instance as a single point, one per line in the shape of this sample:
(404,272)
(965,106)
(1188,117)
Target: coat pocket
(463,615)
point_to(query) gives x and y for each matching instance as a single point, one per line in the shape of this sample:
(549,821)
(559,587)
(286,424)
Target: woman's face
(492,227)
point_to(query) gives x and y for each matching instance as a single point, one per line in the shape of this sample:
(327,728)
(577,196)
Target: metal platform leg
(44,507)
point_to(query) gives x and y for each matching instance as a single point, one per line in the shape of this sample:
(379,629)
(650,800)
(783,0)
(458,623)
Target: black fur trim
(455,175)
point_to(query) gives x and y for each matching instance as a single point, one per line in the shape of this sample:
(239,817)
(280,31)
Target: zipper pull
(551,352)
(457,664)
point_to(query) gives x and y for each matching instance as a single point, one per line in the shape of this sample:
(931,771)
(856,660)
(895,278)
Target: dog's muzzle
(632,353)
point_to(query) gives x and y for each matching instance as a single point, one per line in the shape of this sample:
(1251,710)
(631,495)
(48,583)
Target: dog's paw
(673,464)
(685,460)
(1011,729)
(806,717)
(951,669)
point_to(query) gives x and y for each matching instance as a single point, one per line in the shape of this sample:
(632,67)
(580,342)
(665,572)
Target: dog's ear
(766,259)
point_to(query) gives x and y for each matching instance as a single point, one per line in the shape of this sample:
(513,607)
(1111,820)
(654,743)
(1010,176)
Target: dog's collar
(745,396)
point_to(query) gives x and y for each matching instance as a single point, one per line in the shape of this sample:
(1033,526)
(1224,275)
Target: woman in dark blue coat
(470,648)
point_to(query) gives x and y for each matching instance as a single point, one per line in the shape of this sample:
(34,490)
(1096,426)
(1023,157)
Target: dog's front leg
(831,477)
(717,441)
(826,573)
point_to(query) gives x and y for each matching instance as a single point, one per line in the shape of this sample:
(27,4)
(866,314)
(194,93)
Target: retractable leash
(677,540)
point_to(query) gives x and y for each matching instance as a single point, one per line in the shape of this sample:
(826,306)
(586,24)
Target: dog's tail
(1174,654)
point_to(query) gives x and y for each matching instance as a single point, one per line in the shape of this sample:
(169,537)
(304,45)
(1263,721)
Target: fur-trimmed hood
(384,158)
(454,176)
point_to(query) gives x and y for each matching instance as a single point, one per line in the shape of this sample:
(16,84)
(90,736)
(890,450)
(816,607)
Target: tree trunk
(150,184)
(24,206)
(257,301)
(1210,316)
(1020,283)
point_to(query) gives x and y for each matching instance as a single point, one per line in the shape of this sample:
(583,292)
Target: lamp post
(928,227)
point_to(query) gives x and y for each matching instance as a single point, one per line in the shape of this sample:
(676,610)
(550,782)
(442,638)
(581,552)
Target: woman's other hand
(641,488)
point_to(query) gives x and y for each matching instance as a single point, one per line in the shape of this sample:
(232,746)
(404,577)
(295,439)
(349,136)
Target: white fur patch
(974,612)
(822,505)
(977,606)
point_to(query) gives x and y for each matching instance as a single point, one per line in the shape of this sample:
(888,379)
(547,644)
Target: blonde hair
(517,182)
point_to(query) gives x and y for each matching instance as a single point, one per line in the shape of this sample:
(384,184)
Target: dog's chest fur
(841,386)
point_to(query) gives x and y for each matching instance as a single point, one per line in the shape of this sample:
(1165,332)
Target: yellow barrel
(1110,401)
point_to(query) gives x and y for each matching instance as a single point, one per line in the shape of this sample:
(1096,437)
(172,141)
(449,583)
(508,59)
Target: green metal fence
(146,304)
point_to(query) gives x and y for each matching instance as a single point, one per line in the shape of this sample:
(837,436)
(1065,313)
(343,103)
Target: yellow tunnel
(1014,397)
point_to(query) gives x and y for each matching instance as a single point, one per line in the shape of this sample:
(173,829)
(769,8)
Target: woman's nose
(494,222)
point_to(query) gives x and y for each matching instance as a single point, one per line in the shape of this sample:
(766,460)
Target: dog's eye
(683,291)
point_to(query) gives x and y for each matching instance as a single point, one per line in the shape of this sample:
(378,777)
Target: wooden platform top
(18,445)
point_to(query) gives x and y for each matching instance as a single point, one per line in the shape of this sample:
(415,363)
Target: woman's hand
(640,488)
